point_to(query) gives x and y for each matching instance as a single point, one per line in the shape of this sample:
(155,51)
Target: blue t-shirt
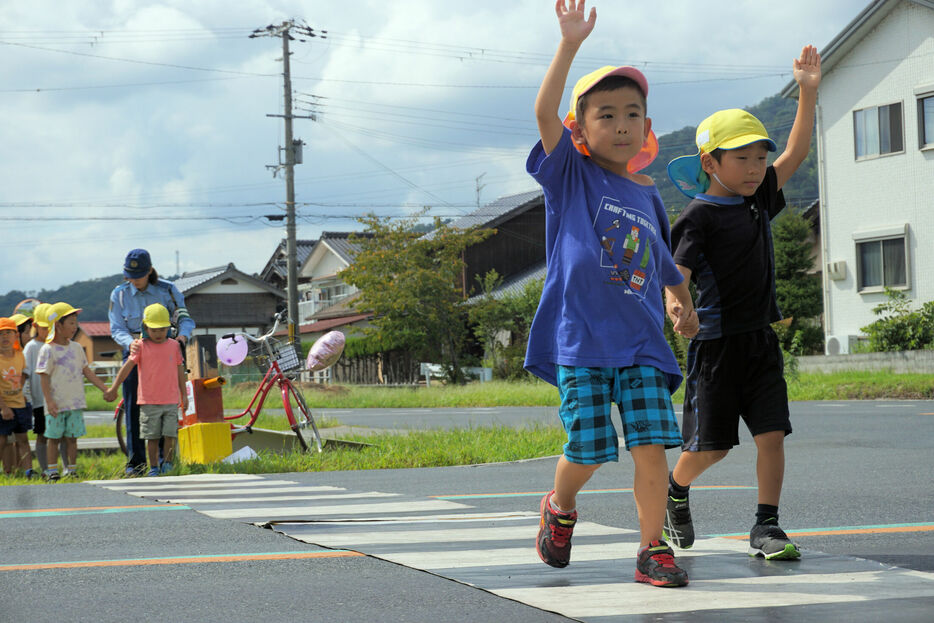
(607,248)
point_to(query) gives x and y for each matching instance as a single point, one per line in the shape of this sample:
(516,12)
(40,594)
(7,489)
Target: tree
(412,285)
(799,293)
(509,315)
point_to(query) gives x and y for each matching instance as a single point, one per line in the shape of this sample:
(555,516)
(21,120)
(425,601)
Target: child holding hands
(161,386)
(598,333)
(62,368)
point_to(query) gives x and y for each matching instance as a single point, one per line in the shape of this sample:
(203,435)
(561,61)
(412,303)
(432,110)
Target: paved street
(857,500)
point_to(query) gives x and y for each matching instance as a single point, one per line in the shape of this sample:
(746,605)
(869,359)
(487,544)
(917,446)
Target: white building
(875,138)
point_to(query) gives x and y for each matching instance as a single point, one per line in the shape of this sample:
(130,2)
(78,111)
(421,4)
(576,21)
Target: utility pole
(290,244)
(480,187)
(284,31)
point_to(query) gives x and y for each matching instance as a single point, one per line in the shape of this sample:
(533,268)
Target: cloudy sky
(129,123)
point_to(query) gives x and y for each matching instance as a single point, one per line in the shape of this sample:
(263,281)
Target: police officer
(127,301)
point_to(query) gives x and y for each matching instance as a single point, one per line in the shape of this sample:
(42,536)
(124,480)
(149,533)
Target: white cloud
(175,142)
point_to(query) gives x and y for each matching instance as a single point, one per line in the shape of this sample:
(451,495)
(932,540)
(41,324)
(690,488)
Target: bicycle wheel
(305,418)
(119,419)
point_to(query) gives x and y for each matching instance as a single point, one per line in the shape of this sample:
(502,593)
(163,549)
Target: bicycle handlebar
(275,325)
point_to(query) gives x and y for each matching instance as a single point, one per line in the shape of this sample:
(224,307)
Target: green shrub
(899,328)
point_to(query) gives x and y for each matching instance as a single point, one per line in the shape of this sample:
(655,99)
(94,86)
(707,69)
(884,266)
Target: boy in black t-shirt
(723,242)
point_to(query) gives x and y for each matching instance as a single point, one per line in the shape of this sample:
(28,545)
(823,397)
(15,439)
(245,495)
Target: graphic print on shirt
(11,376)
(625,236)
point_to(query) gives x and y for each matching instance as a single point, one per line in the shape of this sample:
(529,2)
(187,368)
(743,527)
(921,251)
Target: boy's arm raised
(574,29)
(808,75)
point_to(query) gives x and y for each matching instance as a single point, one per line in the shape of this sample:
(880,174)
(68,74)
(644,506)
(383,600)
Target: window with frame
(926,121)
(878,130)
(882,260)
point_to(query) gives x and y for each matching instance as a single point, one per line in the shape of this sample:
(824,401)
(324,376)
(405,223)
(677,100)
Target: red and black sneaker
(656,566)
(554,536)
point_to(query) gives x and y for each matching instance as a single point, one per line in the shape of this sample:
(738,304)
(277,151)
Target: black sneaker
(50,476)
(679,528)
(771,542)
(554,536)
(656,566)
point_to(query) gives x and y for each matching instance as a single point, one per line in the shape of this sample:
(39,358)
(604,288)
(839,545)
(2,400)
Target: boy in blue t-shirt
(723,241)
(598,334)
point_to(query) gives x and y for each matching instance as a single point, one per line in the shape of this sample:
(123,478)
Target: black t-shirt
(727,244)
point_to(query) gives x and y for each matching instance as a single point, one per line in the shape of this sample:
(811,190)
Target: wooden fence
(390,368)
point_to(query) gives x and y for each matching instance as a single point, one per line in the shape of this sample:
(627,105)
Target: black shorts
(38,420)
(732,377)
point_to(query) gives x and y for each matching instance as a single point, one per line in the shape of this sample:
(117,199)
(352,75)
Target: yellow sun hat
(58,312)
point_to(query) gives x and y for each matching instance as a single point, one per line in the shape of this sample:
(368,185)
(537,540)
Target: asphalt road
(857,481)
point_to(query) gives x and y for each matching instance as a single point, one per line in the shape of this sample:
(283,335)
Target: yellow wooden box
(204,443)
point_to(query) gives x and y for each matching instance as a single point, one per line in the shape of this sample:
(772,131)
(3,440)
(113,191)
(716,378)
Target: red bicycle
(283,362)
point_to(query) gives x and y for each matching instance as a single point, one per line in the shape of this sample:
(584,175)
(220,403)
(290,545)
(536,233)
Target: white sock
(554,507)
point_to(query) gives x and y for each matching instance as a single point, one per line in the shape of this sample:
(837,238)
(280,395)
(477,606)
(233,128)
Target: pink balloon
(325,351)
(232,351)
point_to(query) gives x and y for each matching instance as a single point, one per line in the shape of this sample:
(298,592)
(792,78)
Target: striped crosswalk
(493,551)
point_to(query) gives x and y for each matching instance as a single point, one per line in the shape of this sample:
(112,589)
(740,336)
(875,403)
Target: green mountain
(91,296)
(778,115)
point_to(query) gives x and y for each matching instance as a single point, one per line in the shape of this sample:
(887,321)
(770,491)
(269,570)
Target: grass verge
(811,386)
(416,449)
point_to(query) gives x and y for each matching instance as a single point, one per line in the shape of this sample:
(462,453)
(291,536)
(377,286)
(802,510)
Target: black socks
(675,490)
(766,514)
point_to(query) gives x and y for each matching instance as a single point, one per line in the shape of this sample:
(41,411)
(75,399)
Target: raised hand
(574,27)
(806,68)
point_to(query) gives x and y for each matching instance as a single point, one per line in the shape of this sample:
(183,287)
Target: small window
(926,121)
(882,263)
(878,130)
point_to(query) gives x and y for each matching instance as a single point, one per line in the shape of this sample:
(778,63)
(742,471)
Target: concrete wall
(916,361)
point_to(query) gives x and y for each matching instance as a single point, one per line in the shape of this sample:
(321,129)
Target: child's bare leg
(690,465)
(42,452)
(168,446)
(52,453)
(6,453)
(650,488)
(569,479)
(23,452)
(770,465)
(152,451)
(71,446)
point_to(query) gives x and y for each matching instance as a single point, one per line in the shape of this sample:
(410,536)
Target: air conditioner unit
(841,344)
(836,270)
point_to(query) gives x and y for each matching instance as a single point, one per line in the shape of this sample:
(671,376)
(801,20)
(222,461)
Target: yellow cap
(20,319)
(40,315)
(725,129)
(156,316)
(57,313)
(731,129)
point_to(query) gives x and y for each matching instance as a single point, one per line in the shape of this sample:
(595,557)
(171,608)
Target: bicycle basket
(259,357)
(288,356)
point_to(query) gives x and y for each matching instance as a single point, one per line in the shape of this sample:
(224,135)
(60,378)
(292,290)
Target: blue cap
(137,264)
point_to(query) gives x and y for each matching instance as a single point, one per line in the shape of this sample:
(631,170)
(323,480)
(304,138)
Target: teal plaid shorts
(587,395)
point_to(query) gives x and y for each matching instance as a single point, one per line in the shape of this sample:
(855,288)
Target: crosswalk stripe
(129,483)
(314,533)
(147,485)
(311,511)
(231,499)
(222,494)
(494,551)
(625,597)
